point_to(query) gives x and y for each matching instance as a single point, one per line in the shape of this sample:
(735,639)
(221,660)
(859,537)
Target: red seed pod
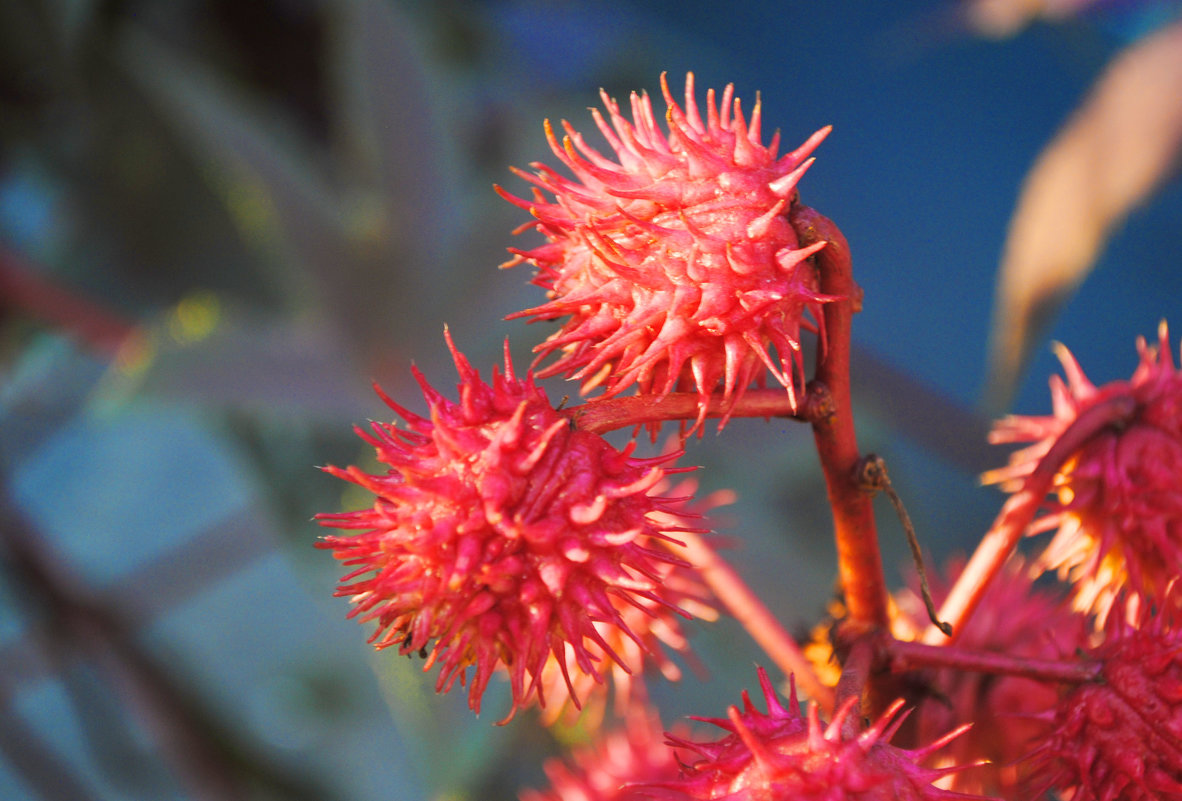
(675,263)
(649,644)
(619,766)
(784,755)
(1117,510)
(501,538)
(1120,738)
(1015,618)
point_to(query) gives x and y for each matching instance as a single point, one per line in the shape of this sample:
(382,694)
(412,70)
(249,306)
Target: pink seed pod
(502,538)
(1117,508)
(674,264)
(1120,738)
(784,755)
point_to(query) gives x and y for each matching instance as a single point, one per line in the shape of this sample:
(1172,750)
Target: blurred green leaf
(273,191)
(363,245)
(387,110)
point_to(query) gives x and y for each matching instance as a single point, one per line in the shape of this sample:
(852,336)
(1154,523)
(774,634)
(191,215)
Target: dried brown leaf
(1113,153)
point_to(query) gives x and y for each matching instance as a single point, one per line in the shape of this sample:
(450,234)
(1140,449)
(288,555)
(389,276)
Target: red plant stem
(903,656)
(759,621)
(993,550)
(859,560)
(608,414)
(1018,512)
(855,675)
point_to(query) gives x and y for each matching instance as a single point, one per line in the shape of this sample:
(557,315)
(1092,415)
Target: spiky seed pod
(617,767)
(1120,738)
(500,537)
(1118,510)
(627,667)
(675,263)
(784,755)
(1014,618)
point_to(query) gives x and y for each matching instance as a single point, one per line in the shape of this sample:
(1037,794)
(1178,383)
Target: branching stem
(1018,512)
(858,558)
(904,656)
(608,414)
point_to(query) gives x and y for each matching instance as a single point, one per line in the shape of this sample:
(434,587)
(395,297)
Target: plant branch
(27,291)
(858,557)
(608,414)
(1018,512)
(857,665)
(903,656)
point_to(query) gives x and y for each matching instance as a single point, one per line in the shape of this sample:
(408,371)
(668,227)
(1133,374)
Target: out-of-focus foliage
(218,221)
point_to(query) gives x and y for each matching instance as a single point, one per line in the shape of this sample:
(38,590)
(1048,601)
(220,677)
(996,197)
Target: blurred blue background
(220,221)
